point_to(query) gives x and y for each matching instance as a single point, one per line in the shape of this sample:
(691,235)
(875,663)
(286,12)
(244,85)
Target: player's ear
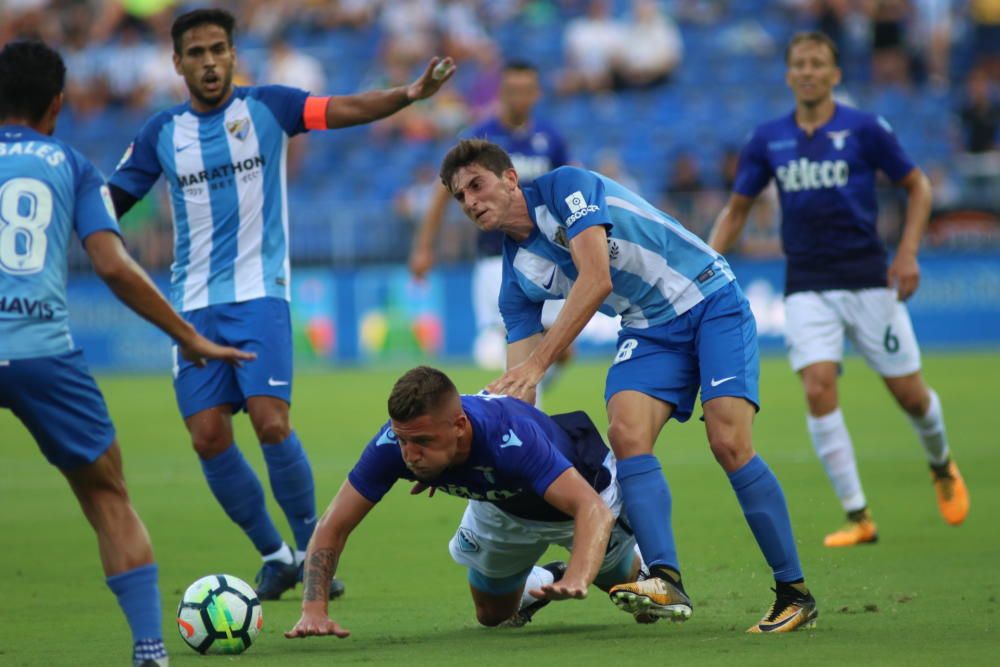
(177,63)
(510,178)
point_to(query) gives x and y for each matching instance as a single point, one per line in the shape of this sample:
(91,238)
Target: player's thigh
(728,356)
(659,362)
(59,403)
(495,544)
(262,326)
(881,330)
(487,275)
(814,329)
(199,389)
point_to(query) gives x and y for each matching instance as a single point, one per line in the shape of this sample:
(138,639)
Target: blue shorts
(713,347)
(260,325)
(58,401)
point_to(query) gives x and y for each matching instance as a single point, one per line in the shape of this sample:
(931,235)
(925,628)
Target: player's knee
(210,442)
(272,429)
(627,440)
(731,449)
(820,390)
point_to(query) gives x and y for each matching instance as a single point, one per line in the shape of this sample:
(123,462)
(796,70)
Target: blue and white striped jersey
(47,190)
(535,149)
(659,270)
(225,171)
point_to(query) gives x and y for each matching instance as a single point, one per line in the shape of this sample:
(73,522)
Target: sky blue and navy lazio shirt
(826,183)
(535,149)
(225,171)
(47,191)
(659,270)
(516,453)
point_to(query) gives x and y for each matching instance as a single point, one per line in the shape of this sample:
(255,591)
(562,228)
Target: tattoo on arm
(319,569)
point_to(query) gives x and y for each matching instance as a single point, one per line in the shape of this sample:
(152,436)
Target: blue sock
(766,512)
(292,484)
(236,487)
(138,595)
(647,505)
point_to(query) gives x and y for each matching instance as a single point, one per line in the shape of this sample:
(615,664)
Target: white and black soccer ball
(219,613)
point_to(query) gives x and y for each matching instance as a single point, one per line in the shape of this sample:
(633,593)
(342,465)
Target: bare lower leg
(122,539)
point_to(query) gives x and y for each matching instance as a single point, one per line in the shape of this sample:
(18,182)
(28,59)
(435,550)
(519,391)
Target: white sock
(284,555)
(539,577)
(833,445)
(643,567)
(930,428)
(299,557)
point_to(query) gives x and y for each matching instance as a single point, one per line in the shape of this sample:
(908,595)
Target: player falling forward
(580,236)
(824,157)
(223,156)
(531,480)
(47,191)
(535,147)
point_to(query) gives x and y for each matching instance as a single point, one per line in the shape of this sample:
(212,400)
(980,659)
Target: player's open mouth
(211,82)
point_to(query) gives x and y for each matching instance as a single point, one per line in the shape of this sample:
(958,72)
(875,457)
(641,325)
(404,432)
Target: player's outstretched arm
(345,512)
(422,255)
(347,110)
(729,225)
(589,250)
(592,522)
(132,285)
(904,272)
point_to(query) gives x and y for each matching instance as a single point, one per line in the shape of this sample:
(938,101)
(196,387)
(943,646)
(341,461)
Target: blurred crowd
(590,52)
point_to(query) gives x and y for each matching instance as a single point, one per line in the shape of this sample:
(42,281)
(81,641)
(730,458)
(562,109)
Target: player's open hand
(564,589)
(438,71)
(520,381)
(904,275)
(199,350)
(316,625)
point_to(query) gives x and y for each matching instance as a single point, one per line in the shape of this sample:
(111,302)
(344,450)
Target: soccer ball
(219,613)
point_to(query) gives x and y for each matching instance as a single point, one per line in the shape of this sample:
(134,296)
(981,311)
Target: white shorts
(875,322)
(498,544)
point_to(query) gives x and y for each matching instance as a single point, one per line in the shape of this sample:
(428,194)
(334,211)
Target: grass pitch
(926,594)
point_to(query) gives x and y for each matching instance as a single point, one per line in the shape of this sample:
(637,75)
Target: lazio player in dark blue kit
(531,480)
(824,157)
(48,191)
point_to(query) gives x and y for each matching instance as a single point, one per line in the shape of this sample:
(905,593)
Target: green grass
(925,594)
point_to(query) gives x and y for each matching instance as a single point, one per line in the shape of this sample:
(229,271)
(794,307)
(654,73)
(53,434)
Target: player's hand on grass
(313,624)
(904,275)
(438,71)
(564,589)
(199,350)
(520,381)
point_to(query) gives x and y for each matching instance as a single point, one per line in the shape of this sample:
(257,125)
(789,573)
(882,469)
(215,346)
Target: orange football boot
(952,495)
(854,532)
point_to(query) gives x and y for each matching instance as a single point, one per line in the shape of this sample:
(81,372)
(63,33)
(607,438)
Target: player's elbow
(111,268)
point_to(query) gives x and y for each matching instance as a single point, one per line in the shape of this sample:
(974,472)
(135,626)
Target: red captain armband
(314,115)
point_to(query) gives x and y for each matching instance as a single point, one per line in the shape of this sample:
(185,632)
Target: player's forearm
(133,287)
(586,296)
(918,211)
(431,224)
(726,231)
(592,526)
(348,110)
